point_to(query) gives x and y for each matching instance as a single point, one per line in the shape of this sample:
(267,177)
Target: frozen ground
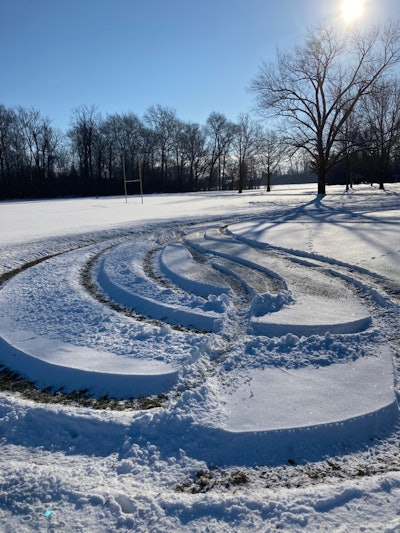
(267,322)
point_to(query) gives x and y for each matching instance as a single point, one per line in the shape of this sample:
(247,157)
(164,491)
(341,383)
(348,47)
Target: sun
(352,9)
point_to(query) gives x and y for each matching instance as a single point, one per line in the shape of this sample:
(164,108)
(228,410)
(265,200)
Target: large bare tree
(316,87)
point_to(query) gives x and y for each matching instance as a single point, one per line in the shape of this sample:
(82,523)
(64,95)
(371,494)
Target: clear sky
(196,56)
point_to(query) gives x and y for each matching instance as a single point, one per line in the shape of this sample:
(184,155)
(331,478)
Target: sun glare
(352,9)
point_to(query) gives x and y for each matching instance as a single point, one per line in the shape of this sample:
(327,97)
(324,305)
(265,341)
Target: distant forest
(171,155)
(37,160)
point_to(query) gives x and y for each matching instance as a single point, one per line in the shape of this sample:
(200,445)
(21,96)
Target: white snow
(270,320)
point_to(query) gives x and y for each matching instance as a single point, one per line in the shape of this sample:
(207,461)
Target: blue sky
(196,56)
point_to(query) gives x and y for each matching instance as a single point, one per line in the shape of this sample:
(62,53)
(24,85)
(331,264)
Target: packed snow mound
(178,264)
(277,399)
(53,363)
(316,303)
(263,416)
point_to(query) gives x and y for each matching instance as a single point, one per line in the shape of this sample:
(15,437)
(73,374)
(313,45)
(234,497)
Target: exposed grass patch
(205,480)
(13,382)
(11,273)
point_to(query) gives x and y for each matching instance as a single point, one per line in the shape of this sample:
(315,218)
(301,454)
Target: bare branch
(317,87)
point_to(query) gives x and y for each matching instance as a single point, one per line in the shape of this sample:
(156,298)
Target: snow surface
(270,321)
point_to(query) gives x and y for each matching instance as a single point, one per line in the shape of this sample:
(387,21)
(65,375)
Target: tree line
(90,158)
(330,105)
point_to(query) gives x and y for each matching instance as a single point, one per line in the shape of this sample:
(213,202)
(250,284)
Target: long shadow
(346,219)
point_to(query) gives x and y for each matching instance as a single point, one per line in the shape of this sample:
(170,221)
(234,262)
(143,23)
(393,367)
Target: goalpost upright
(132,181)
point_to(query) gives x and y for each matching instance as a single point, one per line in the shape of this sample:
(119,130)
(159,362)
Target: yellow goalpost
(132,181)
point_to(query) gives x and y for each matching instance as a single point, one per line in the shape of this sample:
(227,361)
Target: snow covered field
(265,324)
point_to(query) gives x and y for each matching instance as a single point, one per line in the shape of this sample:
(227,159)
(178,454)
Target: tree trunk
(269,173)
(322,181)
(349,180)
(242,175)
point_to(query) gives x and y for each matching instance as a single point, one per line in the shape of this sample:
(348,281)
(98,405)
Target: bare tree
(248,143)
(192,142)
(85,129)
(40,143)
(220,132)
(271,155)
(316,87)
(30,123)
(163,121)
(381,112)
(7,128)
